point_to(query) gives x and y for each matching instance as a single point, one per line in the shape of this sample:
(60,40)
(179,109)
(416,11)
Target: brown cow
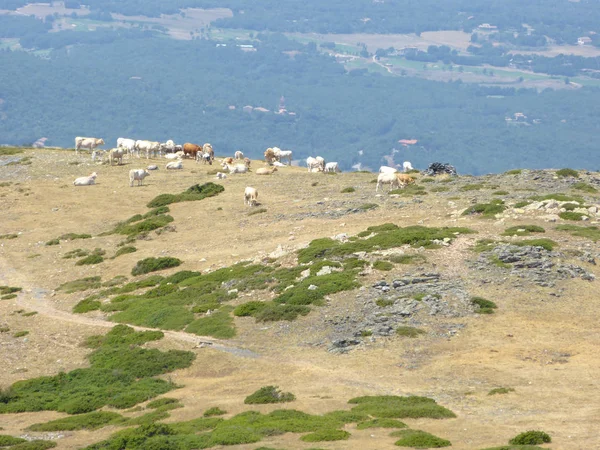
(191,150)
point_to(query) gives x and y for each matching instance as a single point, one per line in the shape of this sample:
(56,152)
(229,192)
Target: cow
(87,142)
(139,175)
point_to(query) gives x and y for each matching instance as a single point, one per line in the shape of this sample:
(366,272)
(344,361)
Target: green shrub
(161,402)
(394,407)
(8,296)
(348,190)
(92,259)
(571,215)
(567,173)
(382,302)
(523,230)
(522,204)
(326,436)
(37,444)
(19,334)
(8,151)
(409,191)
(439,189)
(380,423)
(6,441)
(4,329)
(248,308)
(9,236)
(407,259)
(144,226)
(513,172)
(485,306)
(219,325)
(214,411)
(153,264)
(29,314)
(410,332)
(77,253)
(546,244)
(273,312)
(53,242)
(125,250)
(531,437)
(584,187)
(501,390)
(559,198)
(9,290)
(516,447)
(472,187)
(194,193)
(500,193)
(368,206)
(419,439)
(269,394)
(82,284)
(89,421)
(257,211)
(591,232)
(382,265)
(486,210)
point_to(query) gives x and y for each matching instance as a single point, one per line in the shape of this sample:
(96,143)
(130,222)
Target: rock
(312,287)
(152,167)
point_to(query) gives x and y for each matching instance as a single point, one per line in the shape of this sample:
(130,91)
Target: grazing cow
(313,163)
(174,165)
(270,156)
(250,196)
(148,147)
(127,144)
(191,150)
(116,154)
(139,175)
(86,181)
(406,165)
(387,178)
(168,147)
(247,162)
(239,155)
(87,142)
(207,148)
(332,167)
(404,180)
(387,169)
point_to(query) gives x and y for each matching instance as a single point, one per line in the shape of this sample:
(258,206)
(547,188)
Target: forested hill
(165,89)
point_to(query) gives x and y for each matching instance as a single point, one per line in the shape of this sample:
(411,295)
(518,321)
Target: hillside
(476,294)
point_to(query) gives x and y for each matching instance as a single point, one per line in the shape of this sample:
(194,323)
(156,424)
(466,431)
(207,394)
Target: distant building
(584,40)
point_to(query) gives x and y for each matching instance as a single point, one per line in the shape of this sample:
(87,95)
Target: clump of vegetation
(68,237)
(136,224)
(522,204)
(121,374)
(5,290)
(546,244)
(410,332)
(513,172)
(572,215)
(125,250)
(532,437)
(19,334)
(409,191)
(326,436)
(419,439)
(214,411)
(153,264)
(591,232)
(89,421)
(567,173)
(585,187)
(7,441)
(500,193)
(382,302)
(219,324)
(407,259)
(501,390)
(383,265)
(9,236)
(269,394)
(486,210)
(95,257)
(559,198)
(439,189)
(194,193)
(523,230)
(368,206)
(485,306)
(9,151)
(472,187)
(82,284)
(395,407)
(257,211)
(77,253)
(86,305)
(348,190)
(36,444)
(380,423)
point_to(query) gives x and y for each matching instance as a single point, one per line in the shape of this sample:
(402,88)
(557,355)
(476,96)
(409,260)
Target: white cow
(86,181)
(175,165)
(127,144)
(139,175)
(250,196)
(116,154)
(332,167)
(237,168)
(148,147)
(387,169)
(387,178)
(406,165)
(313,163)
(87,142)
(283,154)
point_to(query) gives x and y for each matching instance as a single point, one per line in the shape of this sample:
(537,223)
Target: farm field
(526,365)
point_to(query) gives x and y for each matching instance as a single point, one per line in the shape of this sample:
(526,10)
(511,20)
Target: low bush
(571,215)
(380,423)
(87,305)
(135,228)
(326,435)
(269,394)
(7,441)
(472,187)
(522,204)
(382,302)
(19,334)
(153,264)
(501,390)
(162,402)
(257,211)
(89,421)
(383,265)
(419,439)
(94,258)
(214,411)
(500,193)
(348,190)
(410,332)
(486,210)
(567,173)
(194,193)
(409,191)
(407,259)
(484,306)
(546,244)
(394,407)
(531,437)
(248,308)
(125,250)
(523,230)
(513,172)
(219,325)
(274,312)
(559,198)
(9,236)
(77,253)
(439,189)
(4,290)
(82,284)
(37,444)
(368,206)
(584,187)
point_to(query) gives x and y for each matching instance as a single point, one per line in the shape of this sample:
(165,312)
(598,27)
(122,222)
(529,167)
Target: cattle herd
(274,157)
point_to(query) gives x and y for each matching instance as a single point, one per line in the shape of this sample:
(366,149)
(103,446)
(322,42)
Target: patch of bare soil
(541,341)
